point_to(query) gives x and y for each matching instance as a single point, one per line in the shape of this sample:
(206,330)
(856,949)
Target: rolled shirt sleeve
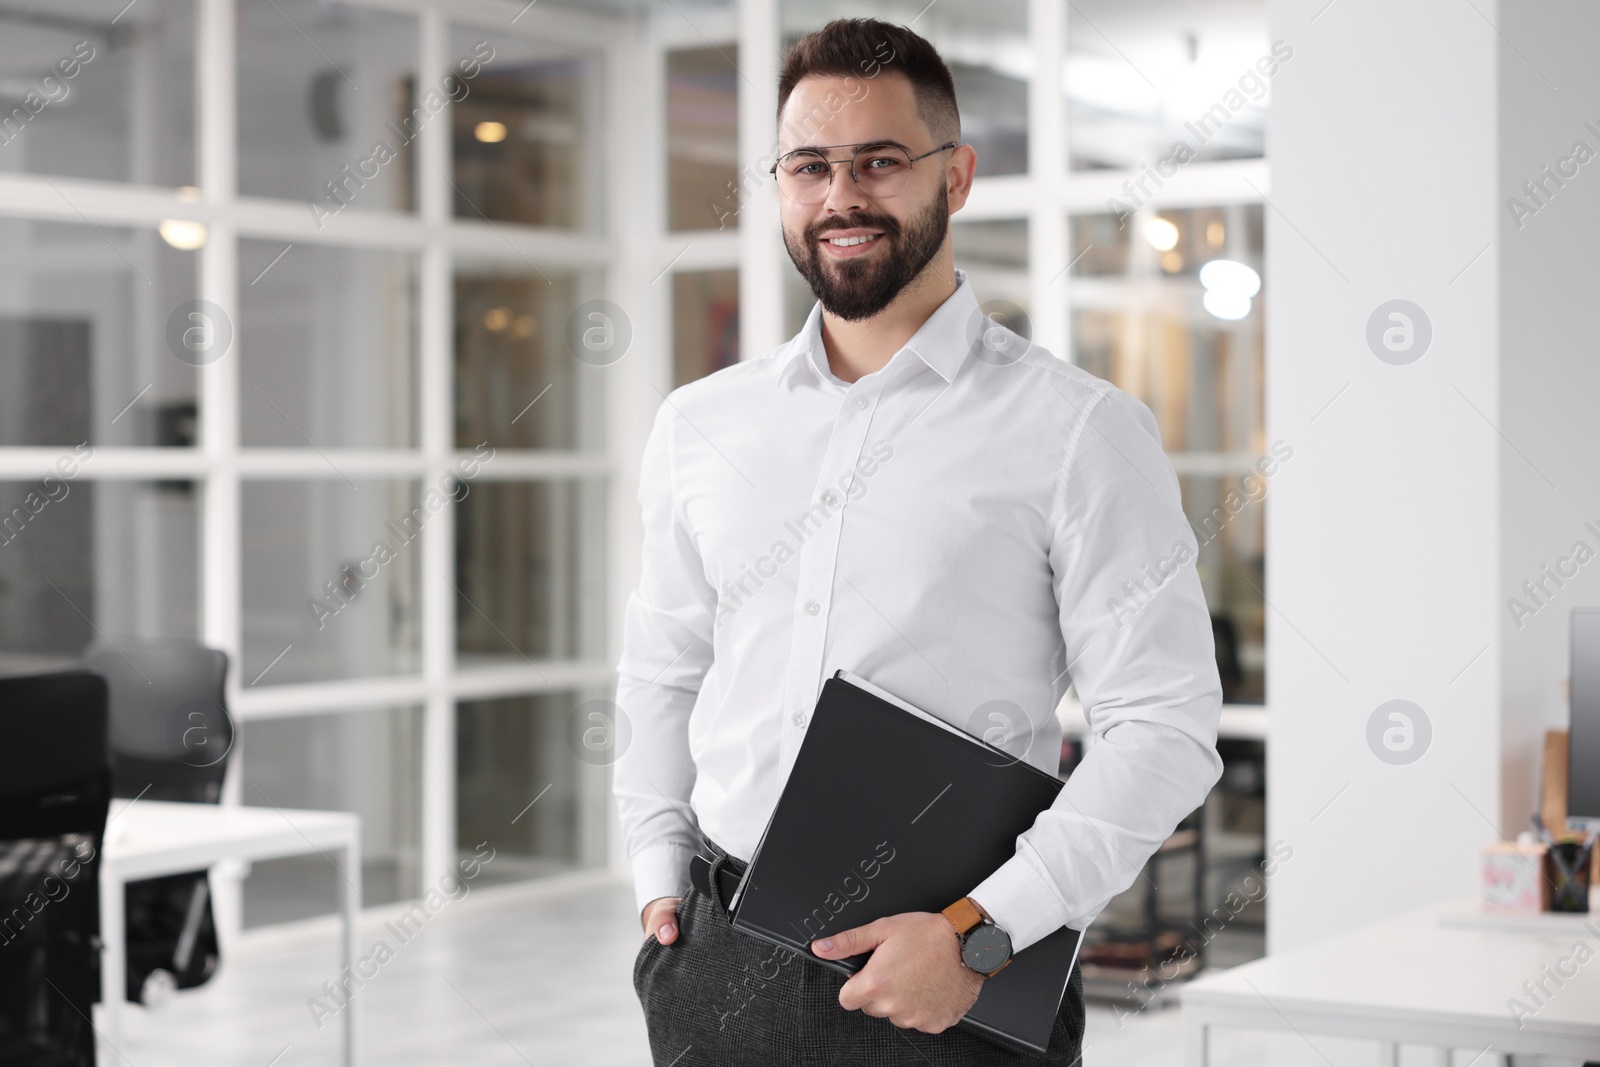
(1140,650)
(666,652)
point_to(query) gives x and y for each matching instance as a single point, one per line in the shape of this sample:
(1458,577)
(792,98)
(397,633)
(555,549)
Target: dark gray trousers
(717,996)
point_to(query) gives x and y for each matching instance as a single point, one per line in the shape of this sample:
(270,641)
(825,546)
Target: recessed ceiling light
(1226,305)
(183,234)
(1230,276)
(1162,234)
(490,132)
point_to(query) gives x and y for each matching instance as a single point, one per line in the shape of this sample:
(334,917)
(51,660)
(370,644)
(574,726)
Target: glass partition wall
(285,368)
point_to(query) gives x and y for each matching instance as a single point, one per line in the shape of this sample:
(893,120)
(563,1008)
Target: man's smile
(843,244)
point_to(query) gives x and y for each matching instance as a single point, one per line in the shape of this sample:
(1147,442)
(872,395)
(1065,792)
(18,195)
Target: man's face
(906,230)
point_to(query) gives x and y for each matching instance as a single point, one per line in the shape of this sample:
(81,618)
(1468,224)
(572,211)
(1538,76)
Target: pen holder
(1569,878)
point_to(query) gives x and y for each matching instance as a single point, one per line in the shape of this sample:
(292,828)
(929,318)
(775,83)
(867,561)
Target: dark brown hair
(864,48)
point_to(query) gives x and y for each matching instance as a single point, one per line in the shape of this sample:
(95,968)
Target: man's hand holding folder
(915,977)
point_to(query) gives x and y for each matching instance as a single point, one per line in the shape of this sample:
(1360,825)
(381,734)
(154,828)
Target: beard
(860,287)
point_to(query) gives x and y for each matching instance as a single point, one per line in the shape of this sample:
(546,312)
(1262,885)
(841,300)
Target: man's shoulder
(738,382)
(1068,393)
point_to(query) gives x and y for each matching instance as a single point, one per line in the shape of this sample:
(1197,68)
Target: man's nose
(844,195)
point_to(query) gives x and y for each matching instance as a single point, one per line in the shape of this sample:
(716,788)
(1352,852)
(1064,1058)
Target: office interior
(290,418)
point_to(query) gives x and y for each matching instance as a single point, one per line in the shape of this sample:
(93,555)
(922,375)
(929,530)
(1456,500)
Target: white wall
(1550,379)
(1383,530)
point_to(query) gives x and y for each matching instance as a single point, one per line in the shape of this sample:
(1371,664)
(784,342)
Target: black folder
(888,809)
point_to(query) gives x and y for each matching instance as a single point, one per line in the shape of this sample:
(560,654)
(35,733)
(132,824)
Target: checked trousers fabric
(717,997)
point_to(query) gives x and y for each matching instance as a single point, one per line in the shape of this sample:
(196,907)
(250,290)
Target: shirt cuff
(660,871)
(1021,901)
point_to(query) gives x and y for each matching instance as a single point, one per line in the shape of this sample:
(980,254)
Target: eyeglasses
(879,169)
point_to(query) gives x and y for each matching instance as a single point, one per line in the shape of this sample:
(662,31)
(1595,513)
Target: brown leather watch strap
(963,915)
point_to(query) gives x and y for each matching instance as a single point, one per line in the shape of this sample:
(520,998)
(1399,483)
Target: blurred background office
(292,288)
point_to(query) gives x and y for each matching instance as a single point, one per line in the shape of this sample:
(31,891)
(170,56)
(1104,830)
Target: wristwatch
(985,947)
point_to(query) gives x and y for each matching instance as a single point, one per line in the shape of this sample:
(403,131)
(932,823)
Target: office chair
(1226,638)
(170,739)
(55,789)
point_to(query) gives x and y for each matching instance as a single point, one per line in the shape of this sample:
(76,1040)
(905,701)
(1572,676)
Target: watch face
(987,947)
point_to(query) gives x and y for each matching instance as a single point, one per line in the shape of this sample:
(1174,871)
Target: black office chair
(55,788)
(1226,638)
(170,739)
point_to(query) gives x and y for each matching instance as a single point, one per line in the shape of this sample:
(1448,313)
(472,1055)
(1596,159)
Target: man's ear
(959,174)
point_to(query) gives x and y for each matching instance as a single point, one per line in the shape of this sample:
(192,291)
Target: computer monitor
(1583,739)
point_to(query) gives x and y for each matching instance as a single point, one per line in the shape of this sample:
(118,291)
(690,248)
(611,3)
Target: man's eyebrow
(859,144)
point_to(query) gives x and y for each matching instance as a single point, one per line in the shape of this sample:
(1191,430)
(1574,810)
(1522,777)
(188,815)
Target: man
(911,492)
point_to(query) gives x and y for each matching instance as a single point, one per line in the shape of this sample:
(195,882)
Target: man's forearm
(652,780)
(1137,782)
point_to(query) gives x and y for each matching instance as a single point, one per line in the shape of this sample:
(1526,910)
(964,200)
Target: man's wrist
(985,945)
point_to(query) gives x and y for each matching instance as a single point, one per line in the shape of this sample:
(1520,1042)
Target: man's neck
(856,349)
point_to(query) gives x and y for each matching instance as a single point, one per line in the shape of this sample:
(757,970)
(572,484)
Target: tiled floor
(509,975)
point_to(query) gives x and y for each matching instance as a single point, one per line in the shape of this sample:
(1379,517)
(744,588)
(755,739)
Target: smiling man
(910,491)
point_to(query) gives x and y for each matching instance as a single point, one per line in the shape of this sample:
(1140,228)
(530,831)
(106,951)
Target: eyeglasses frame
(858,146)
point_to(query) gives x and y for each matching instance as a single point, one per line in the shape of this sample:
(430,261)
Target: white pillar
(1422,496)
(1383,528)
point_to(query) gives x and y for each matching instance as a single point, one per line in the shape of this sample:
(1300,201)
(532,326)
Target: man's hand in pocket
(661,916)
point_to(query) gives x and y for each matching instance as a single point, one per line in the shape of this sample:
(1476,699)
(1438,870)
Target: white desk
(151,838)
(1433,977)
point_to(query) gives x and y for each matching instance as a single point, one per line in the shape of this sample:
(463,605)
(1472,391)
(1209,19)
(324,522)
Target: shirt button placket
(818,560)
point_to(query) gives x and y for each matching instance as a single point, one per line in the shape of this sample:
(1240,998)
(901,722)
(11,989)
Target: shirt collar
(942,342)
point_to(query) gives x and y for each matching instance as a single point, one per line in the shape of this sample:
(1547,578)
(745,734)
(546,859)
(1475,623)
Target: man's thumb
(667,932)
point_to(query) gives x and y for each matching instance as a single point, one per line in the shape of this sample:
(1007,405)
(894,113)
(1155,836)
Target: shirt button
(799,718)
(830,498)
(861,402)
(812,607)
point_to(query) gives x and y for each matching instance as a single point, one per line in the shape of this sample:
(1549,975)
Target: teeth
(847,242)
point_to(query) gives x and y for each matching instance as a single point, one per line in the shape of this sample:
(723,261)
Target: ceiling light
(1162,235)
(186,235)
(1230,277)
(1226,305)
(490,132)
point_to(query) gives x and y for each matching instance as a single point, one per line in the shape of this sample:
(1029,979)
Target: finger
(851,997)
(660,918)
(849,942)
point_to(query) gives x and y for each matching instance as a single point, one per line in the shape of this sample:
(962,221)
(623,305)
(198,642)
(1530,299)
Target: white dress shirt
(971,531)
